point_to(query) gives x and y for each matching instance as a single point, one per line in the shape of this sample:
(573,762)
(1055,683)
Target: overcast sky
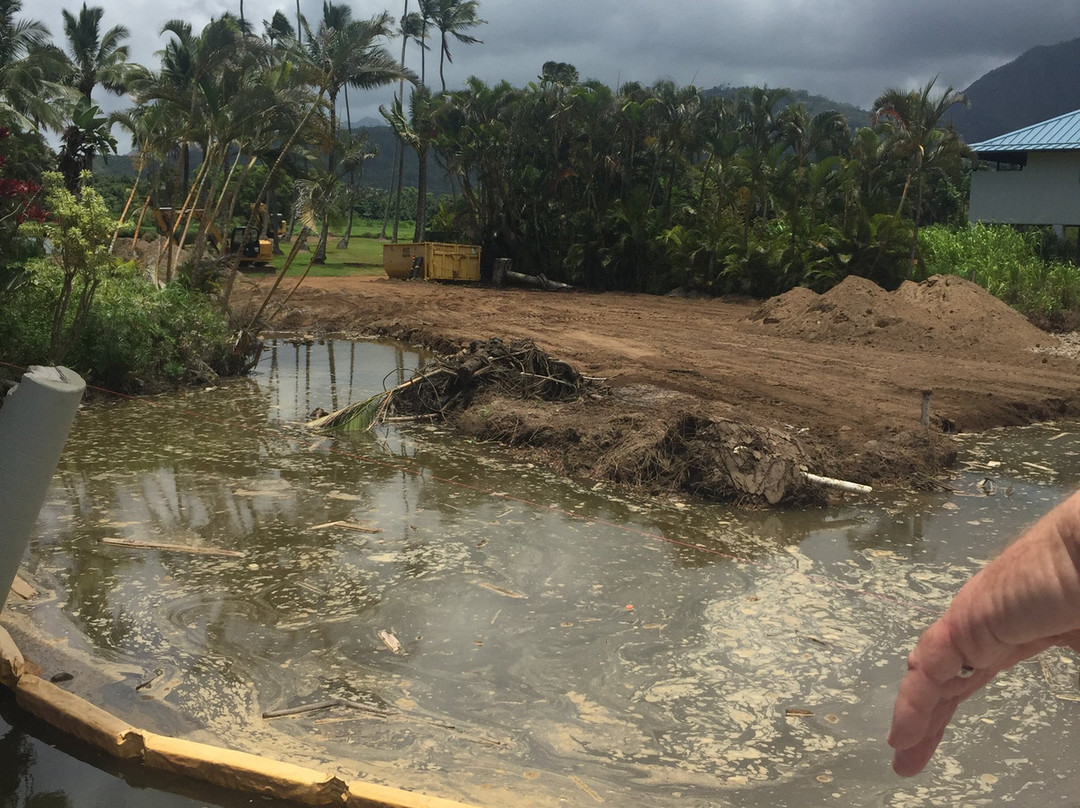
(848,50)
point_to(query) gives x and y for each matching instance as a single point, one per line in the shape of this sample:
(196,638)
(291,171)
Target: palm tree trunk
(227,291)
(138,223)
(400,183)
(344,243)
(442,59)
(915,229)
(127,205)
(399,148)
(421,198)
(393,184)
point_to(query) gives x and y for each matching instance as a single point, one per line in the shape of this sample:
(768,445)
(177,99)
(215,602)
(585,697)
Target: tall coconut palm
(93,57)
(350,55)
(452,18)
(418,132)
(206,82)
(911,122)
(28,70)
(413,27)
(278,30)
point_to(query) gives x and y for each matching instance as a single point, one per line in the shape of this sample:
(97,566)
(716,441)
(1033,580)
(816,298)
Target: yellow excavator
(254,250)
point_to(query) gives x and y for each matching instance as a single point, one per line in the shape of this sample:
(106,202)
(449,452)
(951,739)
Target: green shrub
(1006,262)
(136,338)
(139,338)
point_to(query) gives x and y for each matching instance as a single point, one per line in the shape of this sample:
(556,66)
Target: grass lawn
(363,256)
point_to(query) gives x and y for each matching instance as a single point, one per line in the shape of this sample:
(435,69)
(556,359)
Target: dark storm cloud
(847,49)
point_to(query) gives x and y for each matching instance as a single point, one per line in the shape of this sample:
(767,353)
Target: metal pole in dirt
(34,424)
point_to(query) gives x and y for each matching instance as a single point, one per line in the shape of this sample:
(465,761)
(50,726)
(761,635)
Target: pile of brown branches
(518,369)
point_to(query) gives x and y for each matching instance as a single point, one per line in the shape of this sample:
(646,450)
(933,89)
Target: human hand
(1025,601)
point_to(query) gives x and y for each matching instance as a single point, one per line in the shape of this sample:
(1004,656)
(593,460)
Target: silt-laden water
(492,633)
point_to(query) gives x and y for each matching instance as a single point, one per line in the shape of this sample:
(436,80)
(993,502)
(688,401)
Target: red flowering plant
(18,198)
(19,203)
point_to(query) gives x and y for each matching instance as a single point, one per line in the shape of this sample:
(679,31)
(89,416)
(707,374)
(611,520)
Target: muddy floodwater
(477,628)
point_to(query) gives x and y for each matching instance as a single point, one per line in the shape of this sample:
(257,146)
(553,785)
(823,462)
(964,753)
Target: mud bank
(730,399)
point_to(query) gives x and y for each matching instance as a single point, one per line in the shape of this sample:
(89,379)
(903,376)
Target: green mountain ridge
(1038,85)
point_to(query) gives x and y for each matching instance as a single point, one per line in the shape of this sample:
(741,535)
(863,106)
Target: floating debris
(391,642)
(499,590)
(347,526)
(137,544)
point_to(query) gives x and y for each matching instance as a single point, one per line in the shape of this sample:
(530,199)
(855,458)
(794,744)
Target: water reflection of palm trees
(18,767)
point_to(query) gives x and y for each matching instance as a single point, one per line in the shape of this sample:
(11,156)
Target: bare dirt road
(731,400)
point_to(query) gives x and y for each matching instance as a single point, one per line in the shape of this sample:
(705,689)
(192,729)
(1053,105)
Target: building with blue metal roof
(1030,176)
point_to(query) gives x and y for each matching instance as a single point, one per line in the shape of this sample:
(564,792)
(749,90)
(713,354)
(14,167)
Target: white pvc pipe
(34,424)
(842,485)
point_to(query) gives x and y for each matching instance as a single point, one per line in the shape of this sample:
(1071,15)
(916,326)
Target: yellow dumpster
(451,262)
(397,259)
(439,261)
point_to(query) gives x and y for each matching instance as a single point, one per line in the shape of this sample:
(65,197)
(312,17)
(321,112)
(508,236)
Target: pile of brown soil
(945,314)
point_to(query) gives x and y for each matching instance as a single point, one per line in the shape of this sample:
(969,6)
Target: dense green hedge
(1014,265)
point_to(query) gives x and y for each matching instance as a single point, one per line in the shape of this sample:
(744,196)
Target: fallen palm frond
(519,369)
(356,417)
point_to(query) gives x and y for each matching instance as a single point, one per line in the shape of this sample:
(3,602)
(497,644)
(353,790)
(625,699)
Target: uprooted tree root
(519,370)
(516,370)
(673,452)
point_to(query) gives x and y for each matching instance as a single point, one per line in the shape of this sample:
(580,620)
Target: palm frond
(357,417)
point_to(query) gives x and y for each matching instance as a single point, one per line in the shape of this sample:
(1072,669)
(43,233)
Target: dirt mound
(147,254)
(945,314)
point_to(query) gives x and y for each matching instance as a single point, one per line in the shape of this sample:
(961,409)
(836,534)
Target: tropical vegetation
(644,188)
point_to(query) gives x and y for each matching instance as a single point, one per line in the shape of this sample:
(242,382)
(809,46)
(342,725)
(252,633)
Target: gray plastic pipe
(34,424)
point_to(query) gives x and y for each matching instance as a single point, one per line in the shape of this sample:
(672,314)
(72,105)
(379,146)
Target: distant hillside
(379,169)
(1039,84)
(376,174)
(814,103)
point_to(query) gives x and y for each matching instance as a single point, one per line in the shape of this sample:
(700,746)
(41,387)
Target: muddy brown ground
(731,399)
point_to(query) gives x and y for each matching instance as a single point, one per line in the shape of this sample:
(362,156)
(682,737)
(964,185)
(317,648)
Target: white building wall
(1046,191)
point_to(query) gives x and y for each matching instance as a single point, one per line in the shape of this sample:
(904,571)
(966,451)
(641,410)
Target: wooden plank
(347,526)
(135,544)
(22,588)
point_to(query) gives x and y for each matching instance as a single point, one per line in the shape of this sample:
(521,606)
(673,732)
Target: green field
(363,256)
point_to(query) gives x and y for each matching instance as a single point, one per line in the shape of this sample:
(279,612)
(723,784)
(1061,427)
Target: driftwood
(540,281)
(347,526)
(302,709)
(179,548)
(501,275)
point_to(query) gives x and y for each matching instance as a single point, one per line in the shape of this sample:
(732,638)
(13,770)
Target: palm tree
(95,58)
(418,132)
(92,58)
(278,30)
(413,27)
(452,18)
(209,82)
(911,121)
(336,57)
(28,70)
